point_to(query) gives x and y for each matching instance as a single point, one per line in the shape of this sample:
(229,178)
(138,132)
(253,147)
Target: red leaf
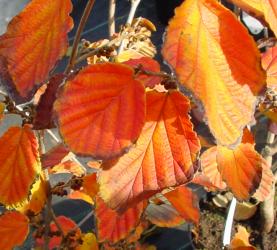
(185,202)
(34,41)
(44,112)
(164,156)
(14,229)
(19,164)
(148,64)
(112,226)
(101,111)
(54,156)
(90,185)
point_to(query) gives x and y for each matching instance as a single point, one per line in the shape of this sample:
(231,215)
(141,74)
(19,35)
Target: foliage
(123,111)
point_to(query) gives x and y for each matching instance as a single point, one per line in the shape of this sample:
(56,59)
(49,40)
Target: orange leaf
(102,110)
(14,229)
(112,226)
(90,185)
(269,62)
(247,137)
(205,44)
(241,169)
(54,156)
(148,64)
(80,195)
(266,182)
(261,8)
(185,202)
(34,41)
(164,155)
(94,164)
(68,166)
(202,180)
(163,215)
(241,240)
(19,164)
(210,168)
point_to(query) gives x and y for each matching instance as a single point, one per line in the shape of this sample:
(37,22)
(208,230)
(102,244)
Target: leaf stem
(77,39)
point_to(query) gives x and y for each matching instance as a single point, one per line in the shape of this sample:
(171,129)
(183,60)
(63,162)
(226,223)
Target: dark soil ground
(210,233)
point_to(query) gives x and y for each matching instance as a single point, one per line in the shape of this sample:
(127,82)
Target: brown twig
(77,39)
(112,6)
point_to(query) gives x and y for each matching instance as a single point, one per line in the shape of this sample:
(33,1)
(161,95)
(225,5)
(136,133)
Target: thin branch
(77,39)
(54,218)
(112,6)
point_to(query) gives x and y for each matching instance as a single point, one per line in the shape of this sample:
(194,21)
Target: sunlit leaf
(90,185)
(163,156)
(241,240)
(136,234)
(148,64)
(80,195)
(266,9)
(266,183)
(240,168)
(205,45)
(44,111)
(112,226)
(19,164)
(34,41)
(14,229)
(94,164)
(38,197)
(269,62)
(101,111)
(210,168)
(89,242)
(247,137)
(202,180)
(185,201)
(68,166)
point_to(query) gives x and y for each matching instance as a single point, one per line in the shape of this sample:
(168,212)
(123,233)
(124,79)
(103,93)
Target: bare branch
(112,6)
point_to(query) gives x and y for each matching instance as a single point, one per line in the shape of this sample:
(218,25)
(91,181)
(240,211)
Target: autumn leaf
(241,240)
(101,111)
(54,156)
(269,63)
(38,197)
(44,111)
(66,225)
(89,242)
(35,39)
(14,229)
(19,164)
(266,9)
(148,64)
(90,185)
(205,44)
(247,136)
(209,167)
(165,154)
(266,183)
(80,195)
(163,215)
(68,167)
(2,109)
(240,168)
(112,226)
(185,201)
